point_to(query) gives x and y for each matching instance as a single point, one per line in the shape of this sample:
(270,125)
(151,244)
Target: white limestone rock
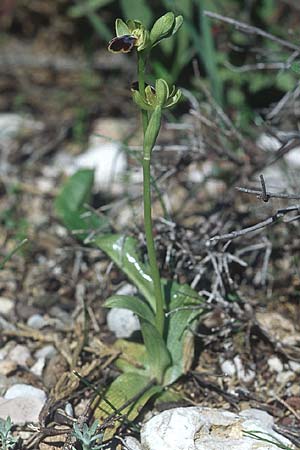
(199,428)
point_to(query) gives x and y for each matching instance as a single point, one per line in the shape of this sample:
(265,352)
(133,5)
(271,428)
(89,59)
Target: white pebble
(25,390)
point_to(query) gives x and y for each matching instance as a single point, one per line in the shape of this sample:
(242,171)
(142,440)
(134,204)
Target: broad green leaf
(76,191)
(123,251)
(158,356)
(124,388)
(138,8)
(134,304)
(162,28)
(169,396)
(121,28)
(132,356)
(181,324)
(69,205)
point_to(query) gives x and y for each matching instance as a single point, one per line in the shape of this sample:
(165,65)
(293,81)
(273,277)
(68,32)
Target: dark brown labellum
(122,44)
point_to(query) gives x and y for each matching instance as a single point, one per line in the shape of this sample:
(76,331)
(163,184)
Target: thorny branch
(265,196)
(249,29)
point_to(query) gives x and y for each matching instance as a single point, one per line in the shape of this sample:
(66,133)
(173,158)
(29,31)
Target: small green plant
(162,306)
(7,440)
(88,436)
(167,311)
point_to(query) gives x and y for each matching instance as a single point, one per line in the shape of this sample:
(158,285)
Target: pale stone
(36,321)
(6,306)
(38,367)
(46,352)
(228,368)
(285,377)
(244,375)
(132,443)
(7,367)
(199,428)
(20,354)
(25,390)
(275,364)
(21,410)
(122,322)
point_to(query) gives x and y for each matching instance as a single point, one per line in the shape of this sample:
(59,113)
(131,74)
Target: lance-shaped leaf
(128,386)
(132,356)
(123,251)
(184,309)
(70,205)
(158,356)
(134,304)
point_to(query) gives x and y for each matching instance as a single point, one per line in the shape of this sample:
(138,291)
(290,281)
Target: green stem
(151,128)
(141,81)
(159,313)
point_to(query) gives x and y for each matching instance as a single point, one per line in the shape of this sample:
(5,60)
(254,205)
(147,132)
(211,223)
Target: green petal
(150,95)
(140,101)
(162,91)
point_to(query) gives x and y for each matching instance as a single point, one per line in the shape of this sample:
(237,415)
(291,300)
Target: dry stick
(264,196)
(283,101)
(264,66)
(249,29)
(259,194)
(257,66)
(270,221)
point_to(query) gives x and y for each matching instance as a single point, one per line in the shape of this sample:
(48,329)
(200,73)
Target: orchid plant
(168,312)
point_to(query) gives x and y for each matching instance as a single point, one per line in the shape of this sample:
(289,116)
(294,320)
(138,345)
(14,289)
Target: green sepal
(178,23)
(162,28)
(165,27)
(121,28)
(162,92)
(174,98)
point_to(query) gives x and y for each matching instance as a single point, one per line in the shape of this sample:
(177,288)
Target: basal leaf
(132,356)
(134,304)
(181,324)
(158,356)
(123,251)
(69,205)
(124,388)
(76,191)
